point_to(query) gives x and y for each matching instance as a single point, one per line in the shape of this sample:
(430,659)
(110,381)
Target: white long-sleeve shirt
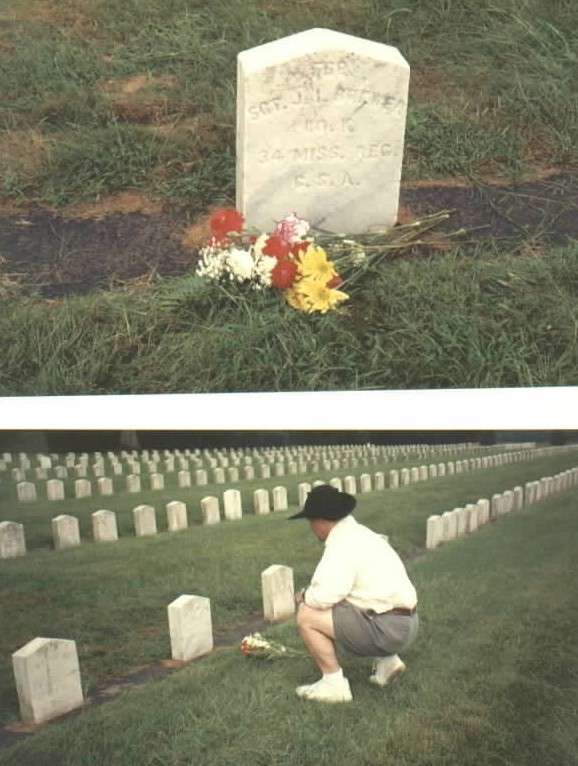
(359,566)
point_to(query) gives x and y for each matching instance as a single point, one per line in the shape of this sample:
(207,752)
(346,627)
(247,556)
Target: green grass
(459,321)
(111,598)
(493,89)
(105,97)
(492,674)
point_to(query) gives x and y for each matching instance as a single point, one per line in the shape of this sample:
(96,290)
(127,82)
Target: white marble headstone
(145,522)
(47,676)
(12,540)
(177,518)
(278,592)
(232,504)
(210,509)
(65,531)
(104,526)
(261,505)
(320,131)
(190,627)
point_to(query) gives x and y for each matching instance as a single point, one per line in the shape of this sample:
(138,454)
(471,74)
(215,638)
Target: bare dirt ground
(128,237)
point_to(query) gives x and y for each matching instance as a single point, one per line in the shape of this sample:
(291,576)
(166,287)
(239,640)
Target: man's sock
(334,678)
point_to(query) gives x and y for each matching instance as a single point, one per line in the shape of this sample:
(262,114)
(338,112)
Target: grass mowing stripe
(491,680)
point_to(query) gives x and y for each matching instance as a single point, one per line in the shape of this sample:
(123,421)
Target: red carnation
(224,221)
(283,274)
(299,247)
(275,246)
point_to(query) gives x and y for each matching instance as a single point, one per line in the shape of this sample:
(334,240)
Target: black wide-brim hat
(326,502)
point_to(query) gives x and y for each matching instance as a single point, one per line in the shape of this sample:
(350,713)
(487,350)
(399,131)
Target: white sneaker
(324,691)
(386,670)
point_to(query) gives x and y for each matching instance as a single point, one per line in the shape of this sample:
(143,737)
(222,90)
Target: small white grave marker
(278,592)
(261,504)
(145,522)
(232,504)
(26,491)
(157,481)
(190,627)
(303,489)
(350,485)
(104,526)
(47,676)
(434,531)
(105,486)
(55,489)
(133,483)
(82,488)
(210,510)
(280,498)
(365,482)
(65,531)
(176,516)
(12,541)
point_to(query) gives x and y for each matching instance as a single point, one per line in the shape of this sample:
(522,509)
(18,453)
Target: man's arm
(332,580)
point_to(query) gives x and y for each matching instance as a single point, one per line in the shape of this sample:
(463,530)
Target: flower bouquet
(254,645)
(310,268)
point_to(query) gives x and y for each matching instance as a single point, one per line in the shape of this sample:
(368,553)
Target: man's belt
(396,610)
(402,610)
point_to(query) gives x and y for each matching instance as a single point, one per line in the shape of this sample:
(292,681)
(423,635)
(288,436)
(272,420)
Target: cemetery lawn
(492,676)
(117,136)
(499,588)
(457,321)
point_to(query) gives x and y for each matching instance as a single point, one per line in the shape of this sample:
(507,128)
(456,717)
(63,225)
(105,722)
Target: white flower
(212,263)
(240,263)
(260,244)
(263,268)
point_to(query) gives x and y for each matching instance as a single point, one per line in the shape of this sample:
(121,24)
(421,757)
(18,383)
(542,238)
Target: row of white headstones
(66,528)
(289,464)
(47,670)
(219,465)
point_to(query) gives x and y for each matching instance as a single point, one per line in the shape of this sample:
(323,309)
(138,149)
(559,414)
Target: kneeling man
(360,596)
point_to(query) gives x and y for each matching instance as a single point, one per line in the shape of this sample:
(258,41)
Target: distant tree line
(93,441)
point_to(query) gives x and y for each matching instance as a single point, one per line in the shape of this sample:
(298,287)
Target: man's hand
(300,597)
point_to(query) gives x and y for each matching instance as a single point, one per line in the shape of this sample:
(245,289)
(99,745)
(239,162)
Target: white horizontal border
(444,409)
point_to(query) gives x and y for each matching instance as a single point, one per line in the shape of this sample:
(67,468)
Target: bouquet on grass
(310,268)
(254,645)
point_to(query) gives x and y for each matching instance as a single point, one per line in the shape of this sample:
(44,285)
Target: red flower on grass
(224,221)
(275,246)
(283,274)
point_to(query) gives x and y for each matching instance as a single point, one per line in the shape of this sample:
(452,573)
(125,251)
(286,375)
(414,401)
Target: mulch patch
(62,255)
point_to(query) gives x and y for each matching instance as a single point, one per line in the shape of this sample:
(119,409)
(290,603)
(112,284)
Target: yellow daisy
(293,298)
(314,263)
(316,296)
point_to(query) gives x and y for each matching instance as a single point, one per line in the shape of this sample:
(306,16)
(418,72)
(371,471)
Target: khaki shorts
(367,634)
